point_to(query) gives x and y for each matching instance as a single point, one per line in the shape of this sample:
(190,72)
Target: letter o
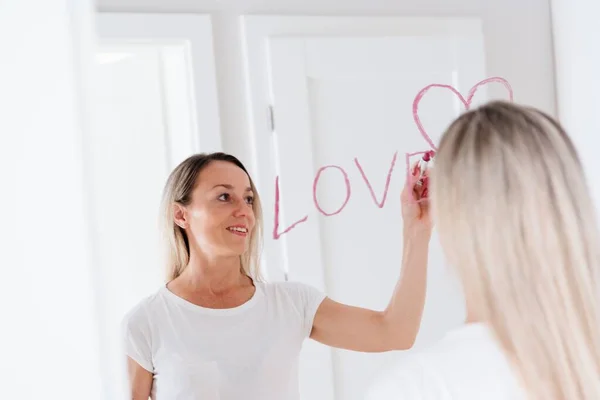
(316,181)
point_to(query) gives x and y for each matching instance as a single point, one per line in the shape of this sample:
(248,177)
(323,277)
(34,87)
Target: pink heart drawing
(466,102)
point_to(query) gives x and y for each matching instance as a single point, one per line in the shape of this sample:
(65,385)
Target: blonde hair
(178,189)
(516,220)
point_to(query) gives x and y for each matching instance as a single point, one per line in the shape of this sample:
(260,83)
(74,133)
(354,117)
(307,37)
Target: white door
(156,105)
(346,111)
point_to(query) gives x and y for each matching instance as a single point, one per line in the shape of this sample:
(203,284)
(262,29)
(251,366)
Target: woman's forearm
(405,309)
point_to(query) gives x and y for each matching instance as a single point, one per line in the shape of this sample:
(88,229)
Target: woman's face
(219,218)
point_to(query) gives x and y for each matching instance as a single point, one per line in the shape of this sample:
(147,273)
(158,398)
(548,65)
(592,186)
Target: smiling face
(220,218)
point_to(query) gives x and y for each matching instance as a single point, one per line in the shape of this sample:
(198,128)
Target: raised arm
(396,327)
(140,380)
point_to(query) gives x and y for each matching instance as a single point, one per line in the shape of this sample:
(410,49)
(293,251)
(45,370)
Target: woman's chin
(236,249)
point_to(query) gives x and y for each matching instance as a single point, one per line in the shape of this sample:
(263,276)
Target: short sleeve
(137,337)
(305,301)
(311,298)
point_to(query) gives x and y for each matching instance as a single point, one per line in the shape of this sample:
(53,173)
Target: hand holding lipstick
(415,201)
(422,166)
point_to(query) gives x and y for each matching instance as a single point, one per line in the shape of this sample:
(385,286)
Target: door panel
(343,117)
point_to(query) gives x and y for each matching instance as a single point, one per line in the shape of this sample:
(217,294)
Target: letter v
(387,182)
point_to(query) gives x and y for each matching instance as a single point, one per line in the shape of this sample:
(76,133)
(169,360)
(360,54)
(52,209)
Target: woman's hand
(415,204)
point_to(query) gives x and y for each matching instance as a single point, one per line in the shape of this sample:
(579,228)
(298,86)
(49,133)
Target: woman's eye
(250,200)
(224,197)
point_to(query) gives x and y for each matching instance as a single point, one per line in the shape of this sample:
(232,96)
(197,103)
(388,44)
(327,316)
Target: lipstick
(422,165)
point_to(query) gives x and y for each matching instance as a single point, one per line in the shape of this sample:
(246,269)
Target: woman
(215,331)
(515,219)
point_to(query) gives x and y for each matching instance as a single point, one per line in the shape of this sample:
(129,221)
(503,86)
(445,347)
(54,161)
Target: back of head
(515,219)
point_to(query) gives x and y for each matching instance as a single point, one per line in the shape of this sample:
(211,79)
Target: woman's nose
(241,208)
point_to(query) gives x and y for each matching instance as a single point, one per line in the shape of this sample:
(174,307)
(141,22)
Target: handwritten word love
(380,204)
(415,111)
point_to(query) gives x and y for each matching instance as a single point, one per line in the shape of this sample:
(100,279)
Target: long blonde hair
(178,189)
(516,220)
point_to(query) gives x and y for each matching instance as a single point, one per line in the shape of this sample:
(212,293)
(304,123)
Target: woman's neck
(215,275)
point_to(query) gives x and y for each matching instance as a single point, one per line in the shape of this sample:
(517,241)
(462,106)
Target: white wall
(517,35)
(576,33)
(49,342)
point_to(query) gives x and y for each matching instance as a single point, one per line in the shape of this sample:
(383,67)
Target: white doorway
(156,105)
(341,93)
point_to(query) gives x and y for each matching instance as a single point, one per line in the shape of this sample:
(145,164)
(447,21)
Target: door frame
(195,32)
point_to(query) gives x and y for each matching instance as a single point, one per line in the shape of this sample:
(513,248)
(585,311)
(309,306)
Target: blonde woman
(516,221)
(215,331)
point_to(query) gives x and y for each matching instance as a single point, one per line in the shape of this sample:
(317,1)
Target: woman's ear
(180,215)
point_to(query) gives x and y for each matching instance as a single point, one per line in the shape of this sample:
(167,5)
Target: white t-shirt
(467,364)
(248,352)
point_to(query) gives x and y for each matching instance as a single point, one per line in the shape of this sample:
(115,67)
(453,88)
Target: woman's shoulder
(415,374)
(291,290)
(296,298)
(301,297)
(139,313)
(466,357)
(406,378)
